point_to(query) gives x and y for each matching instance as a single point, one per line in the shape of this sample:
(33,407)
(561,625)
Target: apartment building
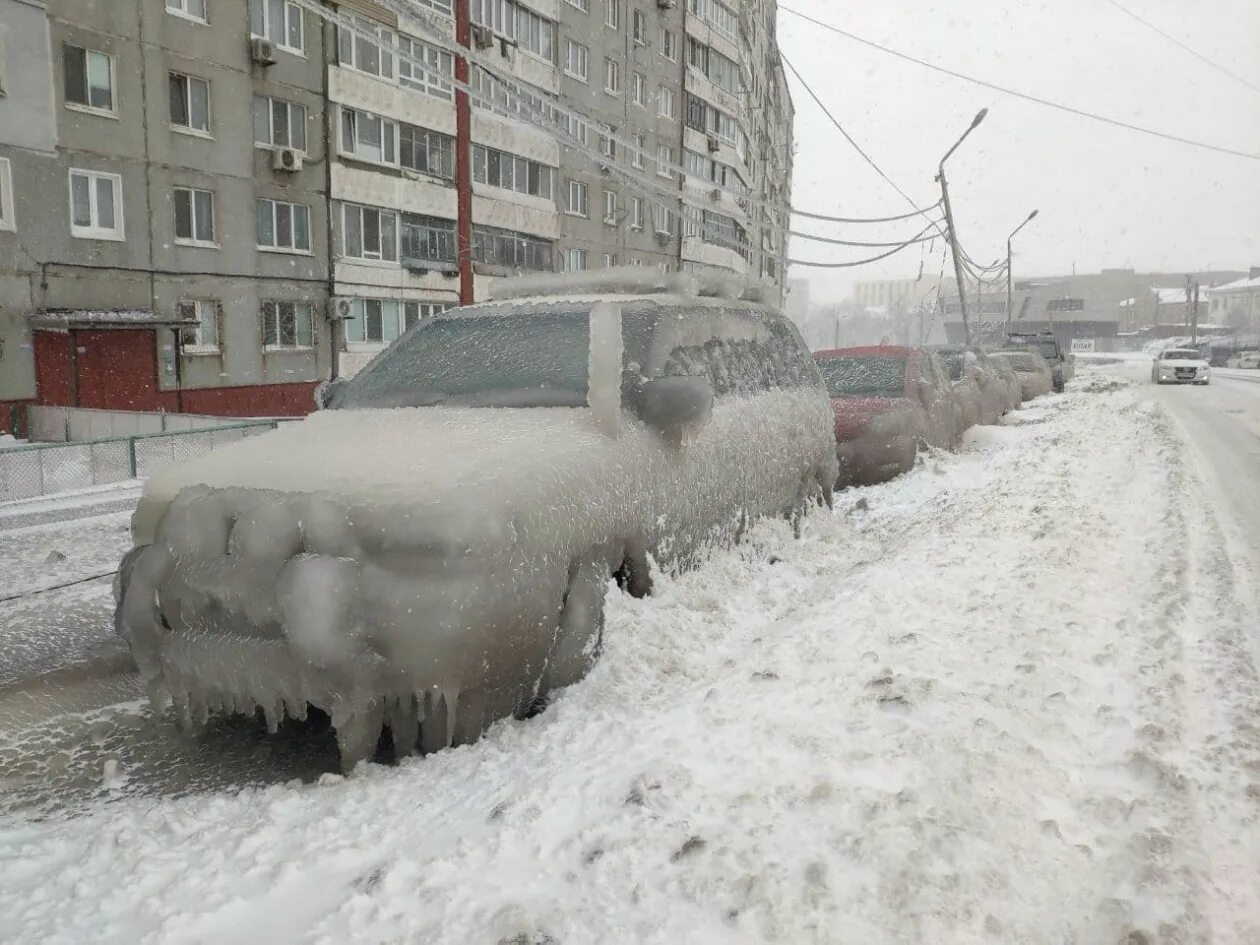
(210,206)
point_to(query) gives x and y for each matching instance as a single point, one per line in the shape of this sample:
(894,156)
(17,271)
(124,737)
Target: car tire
(908,459)
(580,633)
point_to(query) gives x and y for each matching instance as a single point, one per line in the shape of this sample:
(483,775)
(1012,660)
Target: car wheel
(908,458)
(580,635)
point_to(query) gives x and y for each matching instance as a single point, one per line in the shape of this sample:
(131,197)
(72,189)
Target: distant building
(1237,303)
(901,294)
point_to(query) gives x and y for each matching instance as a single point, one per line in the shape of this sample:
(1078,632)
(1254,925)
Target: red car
(888,401)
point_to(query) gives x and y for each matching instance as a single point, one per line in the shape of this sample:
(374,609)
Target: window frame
(8,212)
(639,28)
(92,231)
(180,11)
(385,43)
(289,6)
(576,252)
(612,14)
(612,76)
(380,258)
(271,102)
(187,80)
(583,5)
(293,249)
(585,61)
(664,168)
(639,87)
(112,110)
(389,135)
(193,217)
(669,43)
(577,187)
(296,346)
(636,213)
(200,346)
(666,94)
(610,207)
(640,149)
(433,141)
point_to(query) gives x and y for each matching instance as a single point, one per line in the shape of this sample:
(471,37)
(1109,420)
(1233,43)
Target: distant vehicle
(430,552)
(1181,366)
(1246,359)
(1035,376)
(1062,363)
(888,402)
(1014,389)
(984,393)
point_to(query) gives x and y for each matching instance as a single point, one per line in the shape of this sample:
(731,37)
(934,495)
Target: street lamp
(1009,299)
(949,221)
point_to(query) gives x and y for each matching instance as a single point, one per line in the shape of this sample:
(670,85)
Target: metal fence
(49,468)
(72,424)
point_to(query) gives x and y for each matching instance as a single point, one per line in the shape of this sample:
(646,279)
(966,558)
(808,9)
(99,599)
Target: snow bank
(974,704)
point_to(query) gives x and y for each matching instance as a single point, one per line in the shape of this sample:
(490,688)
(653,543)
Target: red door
(117,370)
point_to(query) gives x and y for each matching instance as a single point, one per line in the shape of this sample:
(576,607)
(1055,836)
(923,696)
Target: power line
(860,262)
(838,242)
(1023,95)
(905,216)
(1175,41)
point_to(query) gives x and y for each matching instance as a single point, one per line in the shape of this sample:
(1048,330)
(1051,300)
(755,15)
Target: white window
(607,143)
(576,60)
(370,233)
(640,89)
(96,211)
(639,28)
(577,205)
(194,216)
(368,137)
(279,21)
(362,53)
(575,260)
(283,227)
(575,128)
(583,5)
(373,321)
(190,103)
(189,9)
(533,33)
(612,14)
(202,335)
(639,144)
(636,213)
(287,325)
(612,77)
(610,207)
(425,68)
(664,160)
(669,44)
(279,124)
(8,220)
(511,172)
(662,219)
(667,102)
(610,260)
(89,77)
(414,312)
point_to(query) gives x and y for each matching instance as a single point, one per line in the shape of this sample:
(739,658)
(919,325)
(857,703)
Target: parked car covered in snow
(1035,377)
(1247,359)
(1010,380)
(430,551)
(888,402)
(1062,363)
(984,394)
(1181,366)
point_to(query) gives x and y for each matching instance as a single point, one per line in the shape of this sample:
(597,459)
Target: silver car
(1034,373)
(431,551)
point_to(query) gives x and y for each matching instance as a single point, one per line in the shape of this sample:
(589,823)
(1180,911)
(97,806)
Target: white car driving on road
(1180,366)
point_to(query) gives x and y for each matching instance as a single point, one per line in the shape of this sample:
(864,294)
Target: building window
(612,77)
(583,5)
(668,103)
(639,144)
(189,9)
(427,239)
(429,152)
(612,14)
(669,44)
(608,143)
(665,161)
(370,233)
(190,103)
(203,334)
(415,312)
(720,70)
(284,227)
(426,68)
(513,250)
(278,21)
(577,205)
(89,78)
(287,325)
(373,321)
(718,15)
(8,219)
(362,53)
(368,137)
(639,28)
(636,213)
(575,128)
(662,219)
(575,260)
(576,60)
(610,260)
(96,205)
(640,89)
(511,172)
(610,207)
(194,216)
(279,124)
(533,33)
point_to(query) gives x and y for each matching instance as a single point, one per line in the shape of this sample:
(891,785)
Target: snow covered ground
(1009,697)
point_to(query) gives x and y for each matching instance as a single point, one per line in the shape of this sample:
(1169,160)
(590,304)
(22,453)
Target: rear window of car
(1019,361)
(873,376)
(1181,354)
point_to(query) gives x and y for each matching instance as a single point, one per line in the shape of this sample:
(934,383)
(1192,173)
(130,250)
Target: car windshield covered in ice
(527,358)
(1181,354)
(864,376)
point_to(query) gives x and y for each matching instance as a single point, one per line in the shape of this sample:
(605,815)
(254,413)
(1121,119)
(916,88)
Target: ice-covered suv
(430,551)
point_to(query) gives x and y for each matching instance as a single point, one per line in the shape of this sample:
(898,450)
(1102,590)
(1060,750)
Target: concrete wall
(26,108)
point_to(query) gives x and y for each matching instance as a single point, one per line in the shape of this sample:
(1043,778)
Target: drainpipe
(463,156)
(335,325)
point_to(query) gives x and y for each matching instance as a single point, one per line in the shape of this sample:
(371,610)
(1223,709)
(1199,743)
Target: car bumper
(870,458)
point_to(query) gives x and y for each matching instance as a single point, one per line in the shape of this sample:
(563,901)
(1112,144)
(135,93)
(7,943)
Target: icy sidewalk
(1001,699)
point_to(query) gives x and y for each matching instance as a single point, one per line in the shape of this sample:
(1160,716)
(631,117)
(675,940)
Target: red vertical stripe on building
(463,156)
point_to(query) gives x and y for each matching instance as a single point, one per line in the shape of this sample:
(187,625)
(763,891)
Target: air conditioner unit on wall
(714,144)
(262,51)
(339,308)
(286,159)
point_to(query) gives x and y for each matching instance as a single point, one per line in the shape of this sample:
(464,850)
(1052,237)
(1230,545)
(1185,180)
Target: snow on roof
(1239,285)
(103,318)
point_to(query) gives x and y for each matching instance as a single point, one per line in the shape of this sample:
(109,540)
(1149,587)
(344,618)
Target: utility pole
(1194,324)
(949,222)
(1010,301)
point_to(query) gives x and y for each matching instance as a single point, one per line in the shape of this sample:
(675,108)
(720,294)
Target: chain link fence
(41,469)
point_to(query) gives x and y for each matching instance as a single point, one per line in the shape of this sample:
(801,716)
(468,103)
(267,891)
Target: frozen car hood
(398,454)
(1183,362)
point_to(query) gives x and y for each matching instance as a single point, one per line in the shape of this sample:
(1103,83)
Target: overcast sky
(1108,197)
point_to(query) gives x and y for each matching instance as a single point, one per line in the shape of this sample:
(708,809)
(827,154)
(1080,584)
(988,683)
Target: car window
(1181,354)
(864,376)
(954,362)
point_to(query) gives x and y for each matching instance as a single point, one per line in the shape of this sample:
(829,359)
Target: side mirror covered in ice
(324,391)
(674,404)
